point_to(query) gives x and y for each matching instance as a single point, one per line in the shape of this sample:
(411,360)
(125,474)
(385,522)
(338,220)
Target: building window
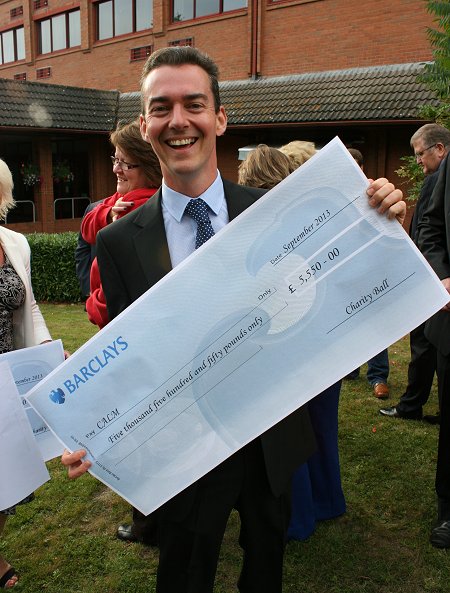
(12,45)
(184,10)
(20,76)
(43,73)
(187,41)
(140,53)
(119,17)
(59,32)
(15,12)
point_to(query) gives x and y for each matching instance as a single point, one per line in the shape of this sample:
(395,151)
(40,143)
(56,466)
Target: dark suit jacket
(133,255)
(422,203)
(434,242)
(84,256)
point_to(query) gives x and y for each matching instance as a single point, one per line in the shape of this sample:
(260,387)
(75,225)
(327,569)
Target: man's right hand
(446,284)
(76,467)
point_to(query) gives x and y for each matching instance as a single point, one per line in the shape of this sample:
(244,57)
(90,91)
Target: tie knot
(198,210)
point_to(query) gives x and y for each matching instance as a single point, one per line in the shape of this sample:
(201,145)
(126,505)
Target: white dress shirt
(181,230)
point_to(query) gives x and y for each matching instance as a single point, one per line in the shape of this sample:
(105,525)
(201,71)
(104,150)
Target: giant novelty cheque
(272,310)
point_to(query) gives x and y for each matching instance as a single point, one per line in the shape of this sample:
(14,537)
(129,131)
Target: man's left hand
(446,284)
(387,199)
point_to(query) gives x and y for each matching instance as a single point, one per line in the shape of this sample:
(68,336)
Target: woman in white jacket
(21,322)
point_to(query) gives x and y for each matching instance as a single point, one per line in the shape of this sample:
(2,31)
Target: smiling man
(182,117)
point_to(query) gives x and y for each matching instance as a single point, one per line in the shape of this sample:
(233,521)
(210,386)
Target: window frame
(49,20)
(220,13)
(134,20)
(13,30)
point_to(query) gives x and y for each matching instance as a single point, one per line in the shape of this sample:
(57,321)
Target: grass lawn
(64,541)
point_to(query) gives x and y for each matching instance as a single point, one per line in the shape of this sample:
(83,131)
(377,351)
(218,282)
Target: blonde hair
(299,151)
(128,138)
(264,167)
(6,187)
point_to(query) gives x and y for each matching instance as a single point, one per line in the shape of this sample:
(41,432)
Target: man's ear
(221,121)
(441,149)
(143,127)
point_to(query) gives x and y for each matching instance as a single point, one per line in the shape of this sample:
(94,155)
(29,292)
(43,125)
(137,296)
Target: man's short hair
(432,134)
(179,56)
(357,155)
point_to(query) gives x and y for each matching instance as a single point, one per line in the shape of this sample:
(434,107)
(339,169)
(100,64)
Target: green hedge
(53,267)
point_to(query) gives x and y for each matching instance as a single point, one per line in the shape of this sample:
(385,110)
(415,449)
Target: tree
(437,73)
(436,76)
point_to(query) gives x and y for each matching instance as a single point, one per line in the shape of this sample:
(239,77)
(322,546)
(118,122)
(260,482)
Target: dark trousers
(443,462)
(145,527)
(189,549)
(421,371)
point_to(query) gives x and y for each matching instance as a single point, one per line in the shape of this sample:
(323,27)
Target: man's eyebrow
(194,96)
(190,97)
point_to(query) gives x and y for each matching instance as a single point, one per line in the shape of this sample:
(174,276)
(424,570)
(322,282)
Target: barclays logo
(93,366)
(57,396)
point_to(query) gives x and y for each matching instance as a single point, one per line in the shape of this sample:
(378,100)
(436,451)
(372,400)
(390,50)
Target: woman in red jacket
(138,177)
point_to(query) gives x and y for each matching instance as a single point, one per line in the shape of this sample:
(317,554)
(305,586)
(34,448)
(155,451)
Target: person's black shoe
(440,536)
(392,412)
(432,419)
(125,532)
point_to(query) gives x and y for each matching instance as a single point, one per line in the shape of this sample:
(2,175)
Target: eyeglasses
(122,164)
(419,155)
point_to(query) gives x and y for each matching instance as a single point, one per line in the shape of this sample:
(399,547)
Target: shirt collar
(176,202)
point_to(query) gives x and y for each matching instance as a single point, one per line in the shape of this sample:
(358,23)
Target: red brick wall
(290,37)
(338,34)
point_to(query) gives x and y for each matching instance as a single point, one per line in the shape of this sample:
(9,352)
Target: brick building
(291,69)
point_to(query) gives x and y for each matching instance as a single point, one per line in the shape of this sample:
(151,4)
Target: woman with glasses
(138,177)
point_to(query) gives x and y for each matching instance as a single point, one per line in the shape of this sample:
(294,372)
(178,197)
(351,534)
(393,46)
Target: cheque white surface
(21,465)
(28,367)
(303,287)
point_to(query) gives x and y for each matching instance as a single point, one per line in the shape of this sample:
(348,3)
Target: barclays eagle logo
(57,396)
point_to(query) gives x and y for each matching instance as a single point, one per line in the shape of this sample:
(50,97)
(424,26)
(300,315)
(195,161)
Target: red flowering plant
(62,172)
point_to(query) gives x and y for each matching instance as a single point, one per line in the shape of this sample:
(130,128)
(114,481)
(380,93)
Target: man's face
(181,124)
(428,157)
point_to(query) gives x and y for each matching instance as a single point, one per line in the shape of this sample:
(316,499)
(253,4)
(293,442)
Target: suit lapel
(150,241)
(237,197)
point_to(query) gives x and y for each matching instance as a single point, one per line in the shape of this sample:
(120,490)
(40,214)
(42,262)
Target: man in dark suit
(182,117)
(434,241)
(431,144)
(84,256)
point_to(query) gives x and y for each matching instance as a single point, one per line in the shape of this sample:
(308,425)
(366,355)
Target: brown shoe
(381,390)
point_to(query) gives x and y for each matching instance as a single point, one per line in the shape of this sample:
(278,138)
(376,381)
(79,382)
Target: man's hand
(446,284)
(387,199)
(76,467)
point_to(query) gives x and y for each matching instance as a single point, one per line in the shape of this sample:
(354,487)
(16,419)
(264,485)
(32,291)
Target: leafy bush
(414,176)
(53,267)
